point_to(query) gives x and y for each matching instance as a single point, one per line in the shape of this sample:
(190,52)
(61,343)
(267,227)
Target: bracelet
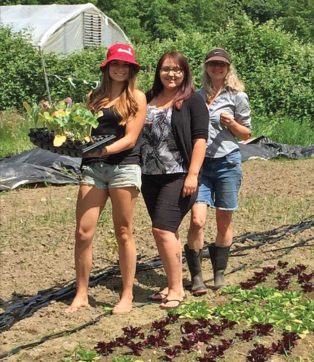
(105,151)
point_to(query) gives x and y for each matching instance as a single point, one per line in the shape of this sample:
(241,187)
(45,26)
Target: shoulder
(149,96)
(240,96)
(241,100)
(139,96)
(195,100)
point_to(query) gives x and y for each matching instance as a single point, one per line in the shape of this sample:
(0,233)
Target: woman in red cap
(173,150)
(230,120)
(113,172)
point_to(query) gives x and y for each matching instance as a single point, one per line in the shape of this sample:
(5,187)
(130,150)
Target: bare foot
(172,301)
(78,303)
(123,307)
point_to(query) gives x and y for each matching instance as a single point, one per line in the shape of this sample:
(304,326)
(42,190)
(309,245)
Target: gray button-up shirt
(220,140)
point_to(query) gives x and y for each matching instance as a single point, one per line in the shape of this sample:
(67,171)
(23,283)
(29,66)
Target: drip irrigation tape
(49,337)
(25,307)
(67,332)
(156,262)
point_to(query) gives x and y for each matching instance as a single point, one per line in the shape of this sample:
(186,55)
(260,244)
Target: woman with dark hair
(173,150)
(113,172)
(230,120)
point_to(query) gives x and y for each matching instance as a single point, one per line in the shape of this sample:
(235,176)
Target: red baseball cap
(122,52)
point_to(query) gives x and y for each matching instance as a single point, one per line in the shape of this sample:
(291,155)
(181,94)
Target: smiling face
(217,70)
(119,70)
(171,74)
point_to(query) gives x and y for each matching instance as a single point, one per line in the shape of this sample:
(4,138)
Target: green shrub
(277,69)
(21,74)
(14,133)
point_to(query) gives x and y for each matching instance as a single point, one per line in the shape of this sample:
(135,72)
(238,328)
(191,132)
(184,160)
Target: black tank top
(109,124)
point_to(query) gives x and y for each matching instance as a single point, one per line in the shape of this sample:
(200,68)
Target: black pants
(164,201)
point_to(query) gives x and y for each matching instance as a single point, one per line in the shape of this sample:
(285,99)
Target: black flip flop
(158,296)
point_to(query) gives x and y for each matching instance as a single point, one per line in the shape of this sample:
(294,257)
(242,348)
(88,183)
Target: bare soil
(37,231)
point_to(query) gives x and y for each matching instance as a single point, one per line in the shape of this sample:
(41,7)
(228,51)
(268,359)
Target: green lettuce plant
(66,119)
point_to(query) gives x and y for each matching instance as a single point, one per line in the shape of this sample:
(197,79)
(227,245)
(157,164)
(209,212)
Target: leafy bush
(21,75)
(76,74)
(277,69)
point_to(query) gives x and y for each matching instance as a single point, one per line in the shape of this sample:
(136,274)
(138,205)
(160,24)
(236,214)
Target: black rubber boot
(219,257)
(194,260)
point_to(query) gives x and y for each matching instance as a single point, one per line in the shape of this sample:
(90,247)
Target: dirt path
(37,225)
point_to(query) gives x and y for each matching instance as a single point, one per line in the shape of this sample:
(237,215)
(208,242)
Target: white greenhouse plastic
(63,29)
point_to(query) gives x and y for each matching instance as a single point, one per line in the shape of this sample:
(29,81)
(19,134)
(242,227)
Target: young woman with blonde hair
(113,172)
(229,117)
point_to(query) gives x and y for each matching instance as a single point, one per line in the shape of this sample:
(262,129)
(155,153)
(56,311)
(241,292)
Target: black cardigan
(189,123)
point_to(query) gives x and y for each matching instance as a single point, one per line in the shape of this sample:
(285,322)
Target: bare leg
(194,248)
(123,202)
(197,224)
(224,228)
(90,203)
(170,251)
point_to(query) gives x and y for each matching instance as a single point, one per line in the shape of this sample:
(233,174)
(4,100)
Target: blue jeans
(106,176)
(221,181)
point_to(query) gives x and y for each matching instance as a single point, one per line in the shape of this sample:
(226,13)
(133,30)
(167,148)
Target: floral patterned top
(160,154)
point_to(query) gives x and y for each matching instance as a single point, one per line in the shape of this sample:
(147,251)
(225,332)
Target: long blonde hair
(126,106)
(232,81)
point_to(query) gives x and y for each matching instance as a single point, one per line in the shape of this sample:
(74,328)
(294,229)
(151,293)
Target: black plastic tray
(43,138)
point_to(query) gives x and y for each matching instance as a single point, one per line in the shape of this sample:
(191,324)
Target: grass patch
(14,133)
(284,130)
(284,210)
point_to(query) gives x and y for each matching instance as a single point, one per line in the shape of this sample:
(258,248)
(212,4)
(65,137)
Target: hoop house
(63,29)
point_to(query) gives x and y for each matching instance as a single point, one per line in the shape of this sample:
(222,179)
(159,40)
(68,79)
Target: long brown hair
(126,106)
(186,88)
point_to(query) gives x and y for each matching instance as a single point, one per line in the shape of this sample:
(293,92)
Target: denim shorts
(106,176)
(220,181)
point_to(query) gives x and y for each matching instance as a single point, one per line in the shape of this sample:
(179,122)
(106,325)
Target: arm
(132,129)
(199,134)
(198,155)
(234,126)
(240,125)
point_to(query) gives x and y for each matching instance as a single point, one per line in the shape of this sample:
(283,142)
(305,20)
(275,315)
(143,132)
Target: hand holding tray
(43,138)
(97,143)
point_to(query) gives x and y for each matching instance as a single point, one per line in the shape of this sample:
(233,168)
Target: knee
(83,237)
(223,226)
(197,222)
(159,235)
(124,234)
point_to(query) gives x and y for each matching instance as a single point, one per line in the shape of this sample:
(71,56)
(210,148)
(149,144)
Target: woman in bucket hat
(173,150)
(111,172)
(229,116)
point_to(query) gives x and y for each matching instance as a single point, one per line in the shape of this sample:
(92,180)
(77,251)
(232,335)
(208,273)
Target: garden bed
(37,228)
